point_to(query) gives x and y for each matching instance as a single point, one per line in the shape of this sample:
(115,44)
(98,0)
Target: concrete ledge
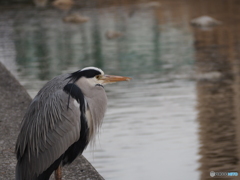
(14,101)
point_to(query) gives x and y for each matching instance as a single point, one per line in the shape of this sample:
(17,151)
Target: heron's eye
(98,76)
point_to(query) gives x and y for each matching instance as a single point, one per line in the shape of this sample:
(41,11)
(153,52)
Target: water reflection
(45,42)
(216,61)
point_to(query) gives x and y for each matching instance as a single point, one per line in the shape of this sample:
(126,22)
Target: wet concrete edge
(14,101)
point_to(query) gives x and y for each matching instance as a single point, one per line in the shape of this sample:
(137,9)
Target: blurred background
(179,116)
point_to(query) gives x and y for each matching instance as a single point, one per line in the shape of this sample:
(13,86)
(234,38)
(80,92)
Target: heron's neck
(96,101)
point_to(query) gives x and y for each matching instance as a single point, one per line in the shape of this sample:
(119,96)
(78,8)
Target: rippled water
(149,131)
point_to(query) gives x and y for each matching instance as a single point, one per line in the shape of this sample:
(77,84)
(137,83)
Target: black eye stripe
(89,73)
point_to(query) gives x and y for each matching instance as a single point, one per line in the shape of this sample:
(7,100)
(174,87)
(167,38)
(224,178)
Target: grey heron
(61,120)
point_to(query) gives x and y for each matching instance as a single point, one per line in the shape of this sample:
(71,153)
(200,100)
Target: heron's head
(95,76)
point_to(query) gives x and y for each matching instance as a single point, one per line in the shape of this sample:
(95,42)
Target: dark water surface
(150,129)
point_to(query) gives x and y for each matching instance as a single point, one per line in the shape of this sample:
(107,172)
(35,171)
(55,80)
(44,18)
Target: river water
(150,129)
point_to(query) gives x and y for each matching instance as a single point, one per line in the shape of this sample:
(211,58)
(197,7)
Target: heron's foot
(58,173)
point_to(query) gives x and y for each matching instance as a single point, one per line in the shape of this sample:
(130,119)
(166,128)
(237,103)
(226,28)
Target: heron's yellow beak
(107,79)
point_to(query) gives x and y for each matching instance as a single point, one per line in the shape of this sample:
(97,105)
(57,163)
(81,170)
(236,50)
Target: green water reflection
(45,46)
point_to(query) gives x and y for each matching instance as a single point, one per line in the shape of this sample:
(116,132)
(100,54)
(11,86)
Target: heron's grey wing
(48,130)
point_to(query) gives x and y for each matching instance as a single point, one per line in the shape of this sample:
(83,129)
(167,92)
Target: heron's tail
(22,173)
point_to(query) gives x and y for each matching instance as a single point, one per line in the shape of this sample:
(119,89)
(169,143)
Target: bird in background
(60,122)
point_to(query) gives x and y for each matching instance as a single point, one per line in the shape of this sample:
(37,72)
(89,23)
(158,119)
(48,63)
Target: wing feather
(49,128)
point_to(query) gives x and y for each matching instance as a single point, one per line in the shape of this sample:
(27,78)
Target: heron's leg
(58,173)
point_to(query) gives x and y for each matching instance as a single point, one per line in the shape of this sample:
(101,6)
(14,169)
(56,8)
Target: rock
(40,3)
(209,76)
(153,4)
(63,4)
(110,34)
(205,21)
(75,18)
